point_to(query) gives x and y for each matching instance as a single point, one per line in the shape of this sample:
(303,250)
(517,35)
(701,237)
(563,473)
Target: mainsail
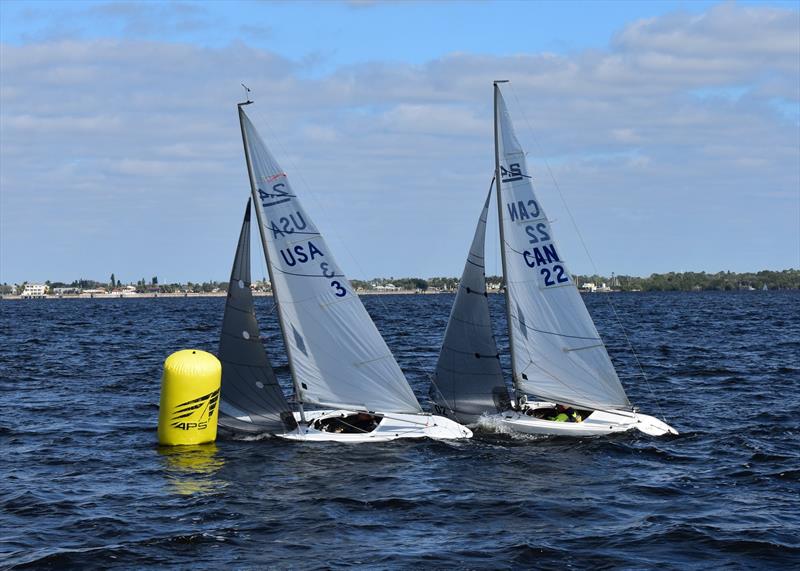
(556,350)
(468,378)
(252,399)
(338,357)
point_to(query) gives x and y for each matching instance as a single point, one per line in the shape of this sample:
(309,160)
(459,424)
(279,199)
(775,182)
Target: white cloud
(320,133)
(626,135)
(725,31)
(66,124)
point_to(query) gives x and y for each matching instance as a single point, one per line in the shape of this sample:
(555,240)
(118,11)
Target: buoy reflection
(193,469)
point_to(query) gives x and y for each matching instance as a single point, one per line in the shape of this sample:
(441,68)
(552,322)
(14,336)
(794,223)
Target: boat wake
(243,437)
(488,423)
(493,424)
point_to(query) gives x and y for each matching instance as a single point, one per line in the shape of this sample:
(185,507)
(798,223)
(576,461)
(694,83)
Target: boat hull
(598,423)
(392,426)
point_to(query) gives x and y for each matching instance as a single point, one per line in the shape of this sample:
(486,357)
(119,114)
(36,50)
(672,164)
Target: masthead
(247,96)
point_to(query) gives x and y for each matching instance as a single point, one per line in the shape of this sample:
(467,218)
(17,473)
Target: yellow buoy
(189,404)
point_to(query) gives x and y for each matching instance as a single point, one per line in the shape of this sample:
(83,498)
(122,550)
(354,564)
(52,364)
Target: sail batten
(338,357)
(549,325)
(556,333)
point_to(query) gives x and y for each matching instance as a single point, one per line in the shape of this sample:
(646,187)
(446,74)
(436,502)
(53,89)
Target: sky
(665,136)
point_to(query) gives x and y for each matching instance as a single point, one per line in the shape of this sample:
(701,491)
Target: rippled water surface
(84,485)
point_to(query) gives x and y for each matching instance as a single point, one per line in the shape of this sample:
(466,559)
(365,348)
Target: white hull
(597,423)
(392,426)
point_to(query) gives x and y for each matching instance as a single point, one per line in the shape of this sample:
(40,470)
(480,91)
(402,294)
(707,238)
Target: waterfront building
(33,291)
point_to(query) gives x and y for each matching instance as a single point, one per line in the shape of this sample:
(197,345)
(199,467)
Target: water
(82,483)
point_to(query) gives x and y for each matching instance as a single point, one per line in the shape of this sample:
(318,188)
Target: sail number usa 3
(309,252)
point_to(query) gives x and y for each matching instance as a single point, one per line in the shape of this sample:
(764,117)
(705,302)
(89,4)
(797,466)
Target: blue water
(83,485)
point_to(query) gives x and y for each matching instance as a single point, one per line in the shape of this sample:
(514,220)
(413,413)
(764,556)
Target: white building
(124,291)
(93,292)
(34,290)
(67,291)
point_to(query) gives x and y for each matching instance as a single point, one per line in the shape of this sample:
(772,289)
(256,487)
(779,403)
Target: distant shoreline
(360,293)
(182,295)
(788,279)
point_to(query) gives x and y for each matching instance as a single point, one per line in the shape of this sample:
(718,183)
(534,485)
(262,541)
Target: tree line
(672,281)
(700,281)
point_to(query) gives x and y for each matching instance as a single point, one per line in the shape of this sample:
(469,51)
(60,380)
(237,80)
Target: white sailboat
(337,358)
(557,355)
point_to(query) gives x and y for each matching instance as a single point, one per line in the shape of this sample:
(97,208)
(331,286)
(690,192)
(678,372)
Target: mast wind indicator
(246,95)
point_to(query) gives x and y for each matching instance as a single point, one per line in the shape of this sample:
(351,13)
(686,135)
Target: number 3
(340,291)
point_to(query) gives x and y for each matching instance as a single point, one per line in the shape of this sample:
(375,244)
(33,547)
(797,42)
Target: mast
(253,190)
(498,183)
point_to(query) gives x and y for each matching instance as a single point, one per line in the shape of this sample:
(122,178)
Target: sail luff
(498,186)
(284,333)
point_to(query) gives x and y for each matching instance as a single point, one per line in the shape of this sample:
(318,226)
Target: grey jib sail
(252,399)
(468,379)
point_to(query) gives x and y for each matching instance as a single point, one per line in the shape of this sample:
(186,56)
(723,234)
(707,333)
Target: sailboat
(558,360)
(337,358)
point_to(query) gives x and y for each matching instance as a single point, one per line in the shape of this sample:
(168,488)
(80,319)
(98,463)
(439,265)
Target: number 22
(560,277)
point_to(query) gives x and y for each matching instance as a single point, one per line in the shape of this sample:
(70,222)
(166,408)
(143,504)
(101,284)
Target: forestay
(556,350)
(468,378)
(252,399)
(338,356)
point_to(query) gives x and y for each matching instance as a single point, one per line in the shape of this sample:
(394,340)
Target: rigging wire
(586,250)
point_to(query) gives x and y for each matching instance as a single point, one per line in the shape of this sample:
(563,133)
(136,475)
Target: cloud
(50,125)
(725,31)
(685,120)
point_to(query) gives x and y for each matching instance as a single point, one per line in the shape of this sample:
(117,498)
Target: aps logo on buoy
(195,413)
